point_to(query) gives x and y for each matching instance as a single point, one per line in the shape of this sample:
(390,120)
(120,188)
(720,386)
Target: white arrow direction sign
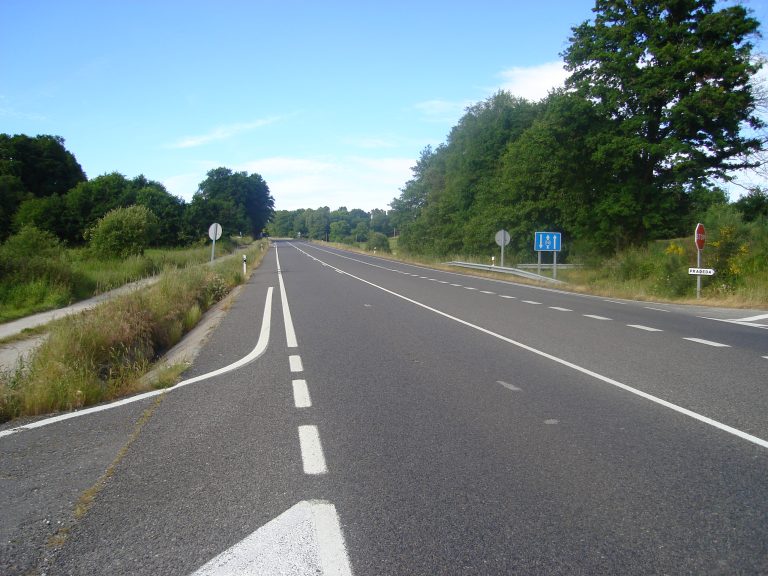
(304,540)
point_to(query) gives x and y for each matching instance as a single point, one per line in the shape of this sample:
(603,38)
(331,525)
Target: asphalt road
(398,420)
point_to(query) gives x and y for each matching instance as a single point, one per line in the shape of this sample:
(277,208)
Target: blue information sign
(546,241)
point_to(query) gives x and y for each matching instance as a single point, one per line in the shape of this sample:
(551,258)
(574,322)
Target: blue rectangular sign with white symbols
(546,241)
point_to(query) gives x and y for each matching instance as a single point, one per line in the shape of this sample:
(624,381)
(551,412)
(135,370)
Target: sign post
(547,242)
(700,238)
(214,233)
(502,239)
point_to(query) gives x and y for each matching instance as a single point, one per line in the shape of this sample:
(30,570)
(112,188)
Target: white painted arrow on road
(304,540)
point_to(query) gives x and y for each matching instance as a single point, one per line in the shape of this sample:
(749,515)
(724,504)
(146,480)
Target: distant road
(382,418)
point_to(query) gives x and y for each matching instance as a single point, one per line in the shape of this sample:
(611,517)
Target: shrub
(377,241)
(123,232)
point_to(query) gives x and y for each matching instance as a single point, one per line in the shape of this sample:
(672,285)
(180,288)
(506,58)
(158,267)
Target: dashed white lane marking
(486,292)
(766,357)
(259,349)
(530,302)
(469,288)
(508,297)
(443,281)
(295,363)
(311,450)
(457,285)
(561,309)
(657,309)
(646,328)
(707,342)
(509,386)
(290,333)
(301,397)
(752,318)
(595,317)
(650,397)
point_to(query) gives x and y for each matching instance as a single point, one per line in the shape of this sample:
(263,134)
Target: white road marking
(766,357)
(457,285)
(469,288)
(295,363)
(752,318)
(655,399)
(657,309)
(443,281)
(594,316)
(707,342)
(259,349)
(508,297)
(301,397)
(509,386)
(646,328)
(487,292)
(561,309)
(530,302)
(305,539)
(290,333)
(311,450)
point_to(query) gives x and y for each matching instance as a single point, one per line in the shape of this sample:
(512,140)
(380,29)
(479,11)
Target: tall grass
(102,354)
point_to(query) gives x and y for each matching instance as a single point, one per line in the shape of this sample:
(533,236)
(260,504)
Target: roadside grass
(102,354)
(655,272)
(35,284)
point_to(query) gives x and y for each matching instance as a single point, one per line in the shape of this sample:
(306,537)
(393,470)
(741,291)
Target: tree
(238,201)
(123,232)
(169,209)
(673,79)
(88,201)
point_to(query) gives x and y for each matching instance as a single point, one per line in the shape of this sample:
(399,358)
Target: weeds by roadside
(103,353)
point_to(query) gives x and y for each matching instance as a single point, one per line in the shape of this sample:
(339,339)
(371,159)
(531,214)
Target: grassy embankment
(738,251)
(103,353)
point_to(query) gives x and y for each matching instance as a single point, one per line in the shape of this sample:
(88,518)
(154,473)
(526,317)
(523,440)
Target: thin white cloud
(439,110)
(223,132)
(351,181)
(534,82)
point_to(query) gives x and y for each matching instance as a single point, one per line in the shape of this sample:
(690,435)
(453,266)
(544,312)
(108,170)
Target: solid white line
(290,333)
(595,317)
(561,309)
(301,397)
(259,349)
(311,450)
(295,363)
(646,328)
(576,367)
(707,342)
(530,302)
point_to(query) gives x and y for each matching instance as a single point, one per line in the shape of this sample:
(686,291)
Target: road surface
(353,415)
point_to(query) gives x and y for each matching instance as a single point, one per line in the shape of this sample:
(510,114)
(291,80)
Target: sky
(329,101)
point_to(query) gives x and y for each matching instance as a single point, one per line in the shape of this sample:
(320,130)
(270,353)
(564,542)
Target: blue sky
(331,102)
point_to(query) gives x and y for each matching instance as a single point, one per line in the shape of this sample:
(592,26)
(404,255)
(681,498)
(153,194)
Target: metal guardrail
(506,270)
(549,266)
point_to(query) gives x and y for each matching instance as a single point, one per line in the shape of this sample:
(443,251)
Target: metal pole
(213,247)
(554,268)
(698,277)
(538,270)
(502,252)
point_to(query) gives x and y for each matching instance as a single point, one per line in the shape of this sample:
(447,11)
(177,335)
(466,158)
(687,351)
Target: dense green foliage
(42,185)
(342,225)
(123,232)
(651,119)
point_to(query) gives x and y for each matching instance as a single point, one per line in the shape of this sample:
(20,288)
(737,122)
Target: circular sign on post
(502,238)
(700,236)
(214,232)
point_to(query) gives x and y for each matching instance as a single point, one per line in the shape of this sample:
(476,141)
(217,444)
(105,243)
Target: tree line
(42,185)
(652,117)
(341,225)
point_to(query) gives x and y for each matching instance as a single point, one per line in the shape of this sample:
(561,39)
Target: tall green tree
(673,80)
(238,201)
